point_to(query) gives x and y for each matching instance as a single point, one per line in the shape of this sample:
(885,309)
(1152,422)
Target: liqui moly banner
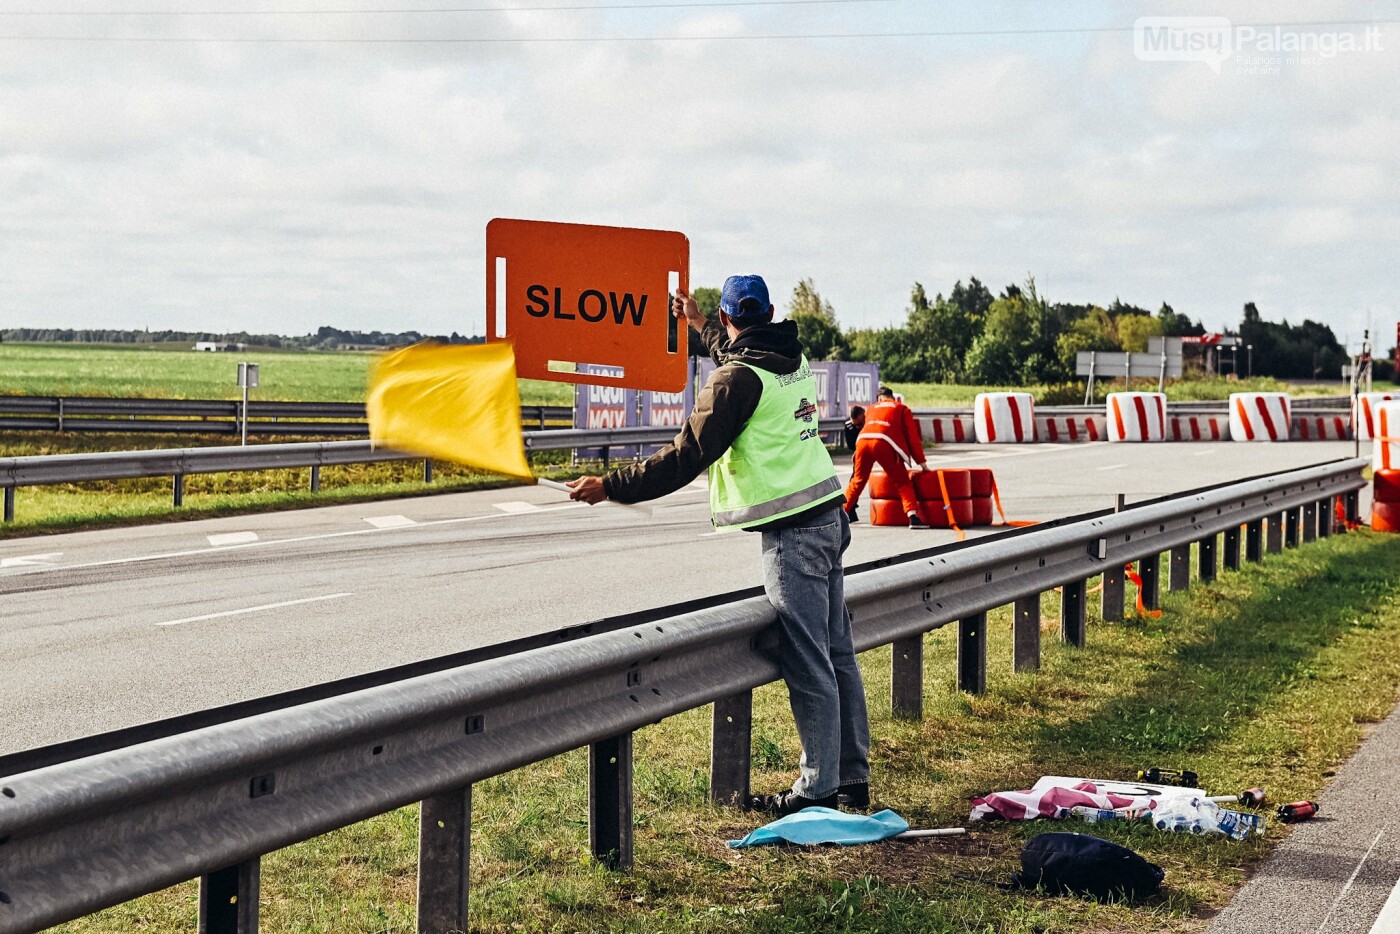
(859,382)
(605,407)
(668,409)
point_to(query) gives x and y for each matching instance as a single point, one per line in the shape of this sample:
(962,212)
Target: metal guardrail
(212,416)
(81,835)
(41,470)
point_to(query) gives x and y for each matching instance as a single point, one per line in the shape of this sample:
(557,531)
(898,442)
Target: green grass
(138,372)
(1267,677)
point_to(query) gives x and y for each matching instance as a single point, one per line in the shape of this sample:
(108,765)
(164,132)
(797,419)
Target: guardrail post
(179,490)
(1326,516)
(907,678)
(972,654)
(1179,573)
(9,504)
(1353,506)
(1254,541)
(228,900)
(1274,541)
(428,471)
(1149,569)
(1025,626)
(1206,560)
(444,856)
(731,735)
(1231,558)
(606,465)
(1073,613)
(60,415)
(610,802)
(1309,522)
(1290,527)
(315,478)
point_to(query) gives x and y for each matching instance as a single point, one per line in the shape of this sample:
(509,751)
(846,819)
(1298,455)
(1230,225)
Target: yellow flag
(450,401)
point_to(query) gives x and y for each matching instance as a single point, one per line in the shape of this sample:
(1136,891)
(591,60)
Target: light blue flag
(825,825)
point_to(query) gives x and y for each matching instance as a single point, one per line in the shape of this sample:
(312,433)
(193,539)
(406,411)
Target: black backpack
(1085,865)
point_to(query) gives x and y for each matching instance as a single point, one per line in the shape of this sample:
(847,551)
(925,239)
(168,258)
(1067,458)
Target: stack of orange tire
(886,508)
(1385,501)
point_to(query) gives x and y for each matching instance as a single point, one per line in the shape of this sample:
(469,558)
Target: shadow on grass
(1240,653)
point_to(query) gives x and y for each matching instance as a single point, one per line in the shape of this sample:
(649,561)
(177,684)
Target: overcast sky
(279,186)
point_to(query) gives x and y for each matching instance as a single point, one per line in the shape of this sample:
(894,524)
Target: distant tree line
(1017,337)
(325,338)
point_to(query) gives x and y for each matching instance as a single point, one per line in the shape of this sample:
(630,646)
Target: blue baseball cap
(745,297)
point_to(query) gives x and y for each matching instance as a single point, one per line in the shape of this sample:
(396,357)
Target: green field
(1267,677)
(138,372)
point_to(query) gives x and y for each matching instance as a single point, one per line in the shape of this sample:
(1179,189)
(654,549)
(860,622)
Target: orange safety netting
(1136,578)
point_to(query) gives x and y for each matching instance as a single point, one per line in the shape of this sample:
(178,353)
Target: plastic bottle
(1184,815)
(1252,797)
(1094,815)
(1297,811)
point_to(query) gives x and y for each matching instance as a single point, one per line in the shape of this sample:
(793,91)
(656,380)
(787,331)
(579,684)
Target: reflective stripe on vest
(778,466)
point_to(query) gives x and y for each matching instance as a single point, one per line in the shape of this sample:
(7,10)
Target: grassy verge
(1267,677)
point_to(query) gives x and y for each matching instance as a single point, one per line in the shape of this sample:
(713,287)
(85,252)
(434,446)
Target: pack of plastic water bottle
(1201,815)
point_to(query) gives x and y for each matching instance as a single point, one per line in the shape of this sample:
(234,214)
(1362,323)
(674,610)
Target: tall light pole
(1235,361)
(1248,361)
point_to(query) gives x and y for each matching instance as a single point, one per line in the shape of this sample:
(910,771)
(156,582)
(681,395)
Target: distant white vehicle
(217,346)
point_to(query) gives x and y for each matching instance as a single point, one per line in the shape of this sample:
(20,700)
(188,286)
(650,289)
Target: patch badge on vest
(805,411)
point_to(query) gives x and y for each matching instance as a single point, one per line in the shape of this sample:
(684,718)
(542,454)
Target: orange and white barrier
(1385,501)
(1004,417)
(948,429)
(1385,453)
(1321,428)
(1363,413)
(1137,416)
(1198,428)
(1260,416)
(1055,428)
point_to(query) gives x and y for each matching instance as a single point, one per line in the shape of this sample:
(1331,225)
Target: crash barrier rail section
(84,834)
(40,470)
(213,416)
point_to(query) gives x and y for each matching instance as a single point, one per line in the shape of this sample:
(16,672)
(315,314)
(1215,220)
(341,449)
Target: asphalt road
(113,628)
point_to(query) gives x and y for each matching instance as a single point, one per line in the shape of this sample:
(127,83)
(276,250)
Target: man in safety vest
(754,427)
(891,439)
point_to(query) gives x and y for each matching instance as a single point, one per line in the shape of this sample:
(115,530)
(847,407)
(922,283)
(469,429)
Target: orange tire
(887,512)
(882,486)
(1385,517)
(982,482)
(1387,486)
(932,512)
(959,483)
(983,512)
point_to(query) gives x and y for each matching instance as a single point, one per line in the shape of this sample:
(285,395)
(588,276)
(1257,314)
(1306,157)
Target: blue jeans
(805,582)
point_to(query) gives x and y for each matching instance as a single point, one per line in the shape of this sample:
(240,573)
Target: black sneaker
(915,522)
(855,795)
(789,802)
(852,515)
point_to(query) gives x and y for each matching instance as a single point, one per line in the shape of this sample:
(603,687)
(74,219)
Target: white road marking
(1203,453)
(194,552)
(23,561)
(1354,873)
(254,609)
(1389,918)
(389,522)
(516,507)
(232,538)
(1112,467)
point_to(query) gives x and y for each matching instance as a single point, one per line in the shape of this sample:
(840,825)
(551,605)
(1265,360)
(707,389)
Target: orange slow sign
(587,304)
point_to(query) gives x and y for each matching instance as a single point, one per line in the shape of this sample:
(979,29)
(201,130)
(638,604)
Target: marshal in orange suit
(891,439)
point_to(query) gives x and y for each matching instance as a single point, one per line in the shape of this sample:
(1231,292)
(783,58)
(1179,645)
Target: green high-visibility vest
(778,466)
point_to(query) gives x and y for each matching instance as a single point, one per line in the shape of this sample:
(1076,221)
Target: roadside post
(247,379)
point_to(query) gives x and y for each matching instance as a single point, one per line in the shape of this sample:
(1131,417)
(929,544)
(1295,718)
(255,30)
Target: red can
(1297,811)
